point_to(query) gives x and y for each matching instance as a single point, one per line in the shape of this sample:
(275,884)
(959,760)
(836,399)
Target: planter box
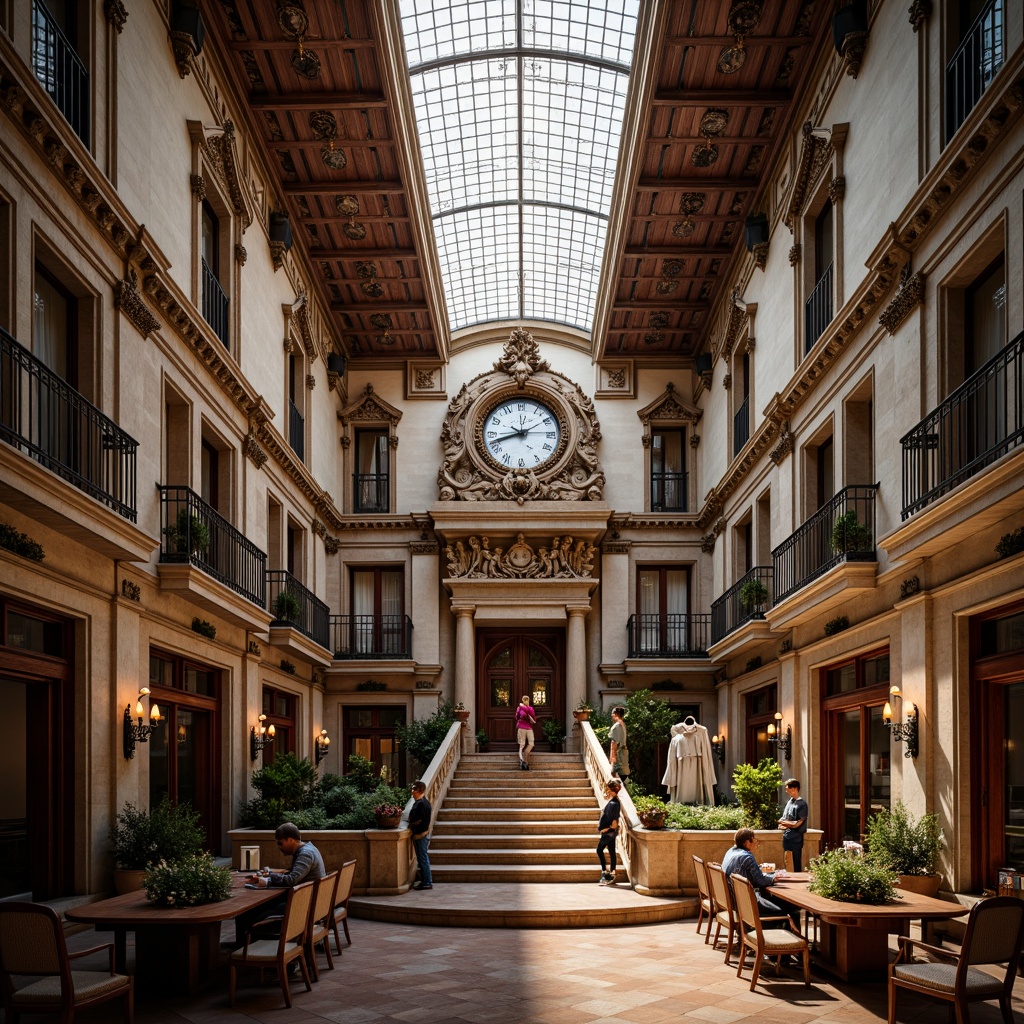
(385,860)
(661,863)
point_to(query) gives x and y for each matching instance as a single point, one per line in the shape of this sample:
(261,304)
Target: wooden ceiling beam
(308,43)
(674,251)
(317,101)
(365,310)
(338,143)
(718,140)
(722,98)
(767,41)
(364,218)
(695,184)
(682,307)
(315,188)
(381,253)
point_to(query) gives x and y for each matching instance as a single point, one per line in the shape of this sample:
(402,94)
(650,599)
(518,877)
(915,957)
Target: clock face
(521,433)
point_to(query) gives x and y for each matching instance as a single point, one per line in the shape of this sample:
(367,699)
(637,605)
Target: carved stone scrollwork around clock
(521,432)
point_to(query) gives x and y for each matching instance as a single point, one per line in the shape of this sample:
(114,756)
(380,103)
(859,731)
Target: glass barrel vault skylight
(519,105)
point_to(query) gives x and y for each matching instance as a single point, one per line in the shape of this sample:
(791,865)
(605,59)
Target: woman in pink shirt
(526,719)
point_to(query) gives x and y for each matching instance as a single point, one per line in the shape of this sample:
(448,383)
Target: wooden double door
(512,663)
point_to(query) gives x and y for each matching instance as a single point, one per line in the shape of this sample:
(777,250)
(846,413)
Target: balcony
(830,555)
(673,635)
(195,536)
(962,464)
(54,432)
(296,431)
(818,310)
(370,492)
(299,616)
(668,492)
(741,427)
(975,63)
(738,616)
(60,69)
(371,637)
(215,305)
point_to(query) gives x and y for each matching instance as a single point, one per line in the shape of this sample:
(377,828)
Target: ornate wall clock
(521,432)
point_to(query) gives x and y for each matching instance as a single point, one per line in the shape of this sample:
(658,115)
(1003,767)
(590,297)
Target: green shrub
(187,882)
(287,606)
(288,778)
(600,722)
(649,722)
(554,731)
(649,805)
(168,831)
(422,737)
(757,790)
(1011,543)
(20,543)
(849,535)
(336,795)
(851,878)
(361,774)
(898,842)
(689,816)
(753,594)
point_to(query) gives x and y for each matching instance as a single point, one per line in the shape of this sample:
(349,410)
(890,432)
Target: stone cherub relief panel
(564,559)
(473,470)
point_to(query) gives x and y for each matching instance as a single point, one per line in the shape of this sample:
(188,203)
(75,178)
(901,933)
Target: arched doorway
(511,663)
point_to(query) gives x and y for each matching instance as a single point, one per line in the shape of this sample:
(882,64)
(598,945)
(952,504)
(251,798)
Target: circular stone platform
(523,905)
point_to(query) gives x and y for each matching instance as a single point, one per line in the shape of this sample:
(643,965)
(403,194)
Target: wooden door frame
(552,639)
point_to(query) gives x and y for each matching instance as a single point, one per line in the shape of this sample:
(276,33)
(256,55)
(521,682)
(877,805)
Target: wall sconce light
(902,731)
(281,229)
(321,745)
(784,744)
(718,746)
(141,732)
(264,739)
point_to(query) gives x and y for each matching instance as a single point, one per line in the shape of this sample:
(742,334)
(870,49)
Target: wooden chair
(706,911)
(279,952)
(32,943)
(320,918)
(725,915)
(346,876)
(773,942)
(995,931)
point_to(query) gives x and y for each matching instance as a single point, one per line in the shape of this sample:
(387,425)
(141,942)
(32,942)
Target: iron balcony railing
(371,636)
(818,310)
(296,431)
(747,599)
(976,425)
(842,530)
(371,492)
(741,427)
(215,305)
(192,531)
(674,635)
(668,492)
(47,419)
(299,606)
(975,63)
(60,69)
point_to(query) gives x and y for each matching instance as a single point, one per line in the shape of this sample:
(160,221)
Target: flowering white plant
(187,882)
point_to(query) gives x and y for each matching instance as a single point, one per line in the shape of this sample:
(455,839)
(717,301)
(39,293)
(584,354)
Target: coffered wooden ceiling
(326,84)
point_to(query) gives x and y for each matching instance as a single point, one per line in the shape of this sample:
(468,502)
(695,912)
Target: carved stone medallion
(520,432)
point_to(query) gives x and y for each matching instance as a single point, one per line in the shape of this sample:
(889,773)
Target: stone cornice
(377,524)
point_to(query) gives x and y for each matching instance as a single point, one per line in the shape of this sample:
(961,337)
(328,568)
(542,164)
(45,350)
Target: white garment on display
(690,772)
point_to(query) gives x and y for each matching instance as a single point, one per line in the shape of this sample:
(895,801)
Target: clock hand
(504,437)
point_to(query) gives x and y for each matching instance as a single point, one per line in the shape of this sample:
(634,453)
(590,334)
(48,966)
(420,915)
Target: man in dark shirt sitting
(741,860)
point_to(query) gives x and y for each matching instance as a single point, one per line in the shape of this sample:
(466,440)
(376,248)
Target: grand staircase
(500,824)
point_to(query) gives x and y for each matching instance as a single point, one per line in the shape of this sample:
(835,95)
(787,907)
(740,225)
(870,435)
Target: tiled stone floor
(638,974)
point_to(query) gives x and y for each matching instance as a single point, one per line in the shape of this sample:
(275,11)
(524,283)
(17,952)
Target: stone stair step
(515,803)
(507,872)
(444,828)
(488,813)
(463,856)
(546,841)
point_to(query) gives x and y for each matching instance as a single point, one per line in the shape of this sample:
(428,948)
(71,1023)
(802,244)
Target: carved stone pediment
(815,153)
(563,559)
(297,314)
(370,407)
(221,155)
(669,406)
(471,471)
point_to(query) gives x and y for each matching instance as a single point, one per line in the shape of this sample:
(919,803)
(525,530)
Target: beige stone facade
(927,226)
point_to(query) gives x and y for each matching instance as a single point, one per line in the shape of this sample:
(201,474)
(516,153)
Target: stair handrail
(599,771)
(438,776)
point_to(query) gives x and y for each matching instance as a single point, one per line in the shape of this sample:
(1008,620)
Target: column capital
(464,610)
(577,610)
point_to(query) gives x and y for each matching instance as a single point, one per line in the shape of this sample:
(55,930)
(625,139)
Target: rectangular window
(977,57)
(296,421)
(662,606)
(668,471)
(215,299)
(280,708)
(370,733)
(372,471)
(818,307)
(57,64)
(761,706)
(378,620)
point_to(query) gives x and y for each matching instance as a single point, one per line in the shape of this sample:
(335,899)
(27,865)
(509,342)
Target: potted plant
(907,847)
(141,838)
(187,882)
(849,535)
(554,732)
(753,595)
(651,811)
(387,815)
(757,790)
(582,711)
(851,878)
(287,606)
(483,741)
(461,713)
(189,534)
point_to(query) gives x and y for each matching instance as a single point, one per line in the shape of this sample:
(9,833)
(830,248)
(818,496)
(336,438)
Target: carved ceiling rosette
(520,432)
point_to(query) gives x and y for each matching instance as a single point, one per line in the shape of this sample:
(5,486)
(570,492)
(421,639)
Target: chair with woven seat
(725,914)
(320,918)
(32,944)
(290,944)
(770,942)
(994,934)
(346,876)
(706,911)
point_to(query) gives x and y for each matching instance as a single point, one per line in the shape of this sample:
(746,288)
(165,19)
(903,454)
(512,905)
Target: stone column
(614,599)
(575,667)
(465,671)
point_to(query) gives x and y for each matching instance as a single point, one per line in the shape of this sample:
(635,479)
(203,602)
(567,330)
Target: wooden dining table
(854,937)
(176,948)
